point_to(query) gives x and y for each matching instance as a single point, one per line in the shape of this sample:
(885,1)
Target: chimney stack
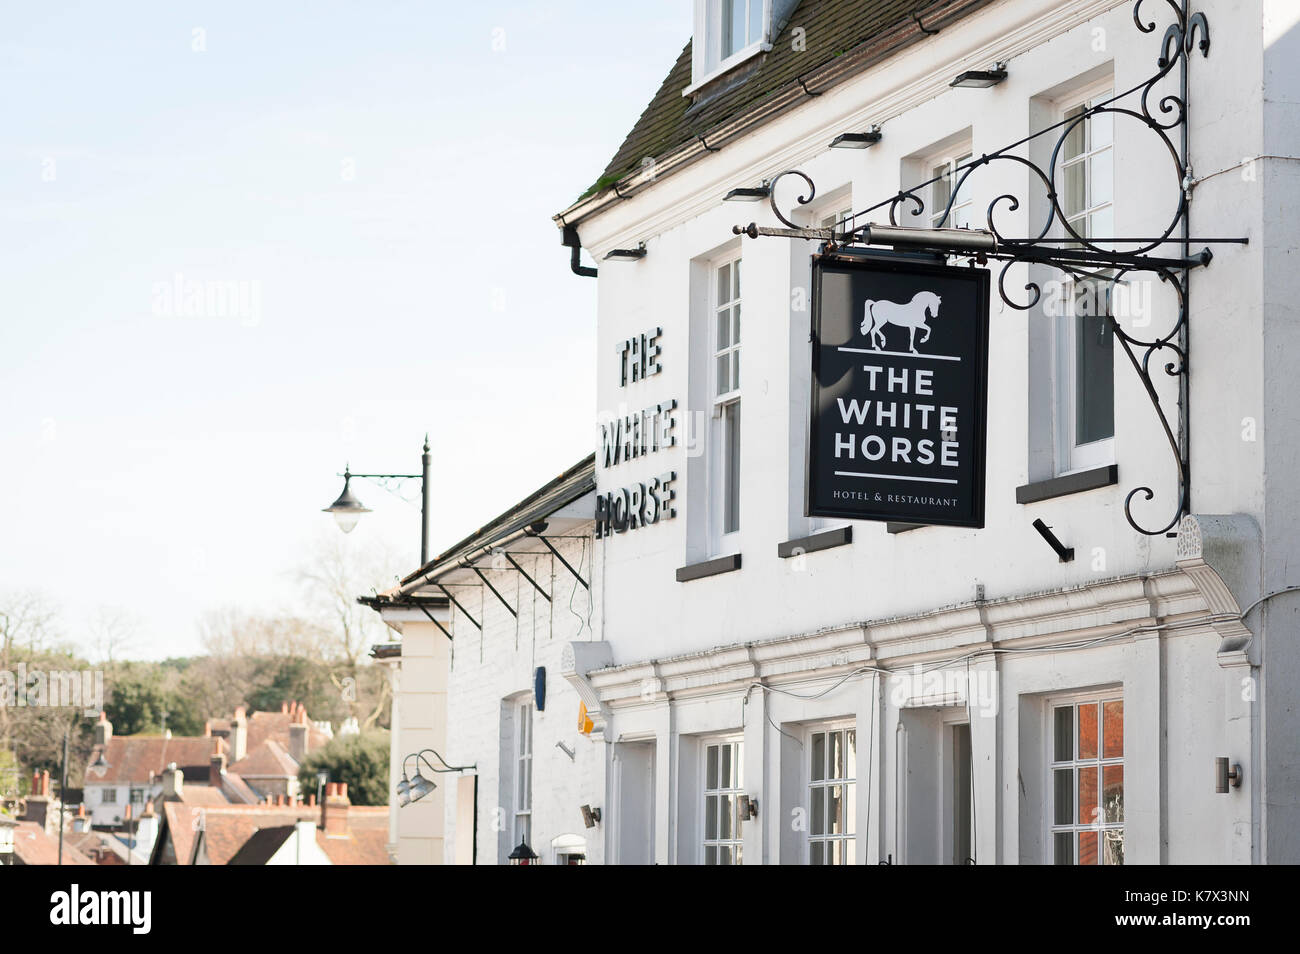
(334,810)
(298,735)
(38,802)
(217,765)
(103,730)
(173,781)
(79,821)
(238,735)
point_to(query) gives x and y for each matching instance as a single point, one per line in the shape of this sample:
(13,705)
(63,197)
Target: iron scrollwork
(1058,243)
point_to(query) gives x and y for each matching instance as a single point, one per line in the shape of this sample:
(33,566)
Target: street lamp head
(347,509)
(420,786)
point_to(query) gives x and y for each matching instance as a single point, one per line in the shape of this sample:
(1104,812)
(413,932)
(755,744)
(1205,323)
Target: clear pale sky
(382,180)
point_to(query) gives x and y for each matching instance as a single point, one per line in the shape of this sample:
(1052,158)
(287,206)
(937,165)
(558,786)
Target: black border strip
(1068,484)
(814,542)
(697,571)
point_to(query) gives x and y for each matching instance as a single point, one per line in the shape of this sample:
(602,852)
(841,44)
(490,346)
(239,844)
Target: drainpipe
(569,237)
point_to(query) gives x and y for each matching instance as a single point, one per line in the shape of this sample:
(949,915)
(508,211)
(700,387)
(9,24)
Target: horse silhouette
(877,314)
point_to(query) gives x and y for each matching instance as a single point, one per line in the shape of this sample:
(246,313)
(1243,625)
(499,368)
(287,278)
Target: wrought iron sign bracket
(1156,106)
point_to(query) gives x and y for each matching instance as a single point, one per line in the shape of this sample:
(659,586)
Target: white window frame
(731,787)
(848,839)
(945,162)
(108,796)
(1050,827)
(523,775)
(726,408)
(709,63)
(1070,455)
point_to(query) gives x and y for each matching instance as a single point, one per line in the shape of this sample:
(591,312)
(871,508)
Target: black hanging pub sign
(899,390)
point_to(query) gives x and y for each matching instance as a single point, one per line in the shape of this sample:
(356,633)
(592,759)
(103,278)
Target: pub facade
(968,547)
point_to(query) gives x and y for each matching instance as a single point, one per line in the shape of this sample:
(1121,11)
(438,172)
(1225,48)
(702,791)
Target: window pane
(735,325)
(1112,793)
(1094,406)
(724,331)
(818,796)
(1076,140)
(755,21)
(731,517)
(711,767)
(726,816)
(850,851)
(815,853)
(835,809)
(710,855)
(836,740)
(1088,795)
(1112,847)
(724,284)
(710,817)
(818,749)
(1063,797)
(724,378)
(942,191)
(1088,731)
(1064,734)
(1101,179)
(733,26)
(1063,848)
(837,852)
(735,280)
(1101,224)
(725,778)
(850,812)
(1074,191)
(1087,848)
(1100,125)
(851,744)
(1112,729)
(735,370)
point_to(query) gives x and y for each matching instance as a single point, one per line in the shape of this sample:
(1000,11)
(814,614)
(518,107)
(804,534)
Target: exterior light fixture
(523,855)
(748,195)
(981,79)
(347,509)
(590,816)
(626,254)
(857,140)
(413,789)
(747,807)
(1223,776)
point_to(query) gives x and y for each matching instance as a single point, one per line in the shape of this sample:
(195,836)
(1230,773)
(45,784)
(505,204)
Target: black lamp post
(347,509)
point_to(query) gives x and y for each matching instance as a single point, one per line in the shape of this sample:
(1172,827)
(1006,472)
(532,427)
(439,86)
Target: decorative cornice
(1222,554)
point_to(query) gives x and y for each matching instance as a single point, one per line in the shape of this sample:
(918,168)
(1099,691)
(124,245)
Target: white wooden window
(725,482)
(1085,349)
(1086,780)
(110,796)
(947,173)
(722,777)
(832,795)
(727,33)
(523,773)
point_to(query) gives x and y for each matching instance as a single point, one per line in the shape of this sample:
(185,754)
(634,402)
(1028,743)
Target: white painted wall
(1181,707)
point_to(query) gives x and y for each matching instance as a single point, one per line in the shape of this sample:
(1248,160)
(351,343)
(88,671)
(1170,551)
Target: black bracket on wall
(1065,553)
(1162,109)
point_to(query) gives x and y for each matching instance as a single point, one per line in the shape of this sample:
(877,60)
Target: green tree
(359,760)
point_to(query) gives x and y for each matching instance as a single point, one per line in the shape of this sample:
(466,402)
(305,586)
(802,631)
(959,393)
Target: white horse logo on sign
(877,314)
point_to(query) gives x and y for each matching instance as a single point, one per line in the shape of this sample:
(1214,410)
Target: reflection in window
(722,775)
(833,758)
(1087,782)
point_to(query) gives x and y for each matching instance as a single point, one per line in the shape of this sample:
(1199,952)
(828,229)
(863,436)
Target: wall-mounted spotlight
(747,807)
(981,79)
(1222,776)
(748,195)
(857,140)
(590,816)
(626,254)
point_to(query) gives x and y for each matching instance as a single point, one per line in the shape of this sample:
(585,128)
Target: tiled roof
(133,759)
(201,794)
(32,846)
(227,828)
(366,842)
(267,760)
(832,29)
(237,790)
(275,725)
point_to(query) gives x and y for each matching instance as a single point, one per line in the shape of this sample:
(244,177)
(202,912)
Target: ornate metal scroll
(1056,242)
